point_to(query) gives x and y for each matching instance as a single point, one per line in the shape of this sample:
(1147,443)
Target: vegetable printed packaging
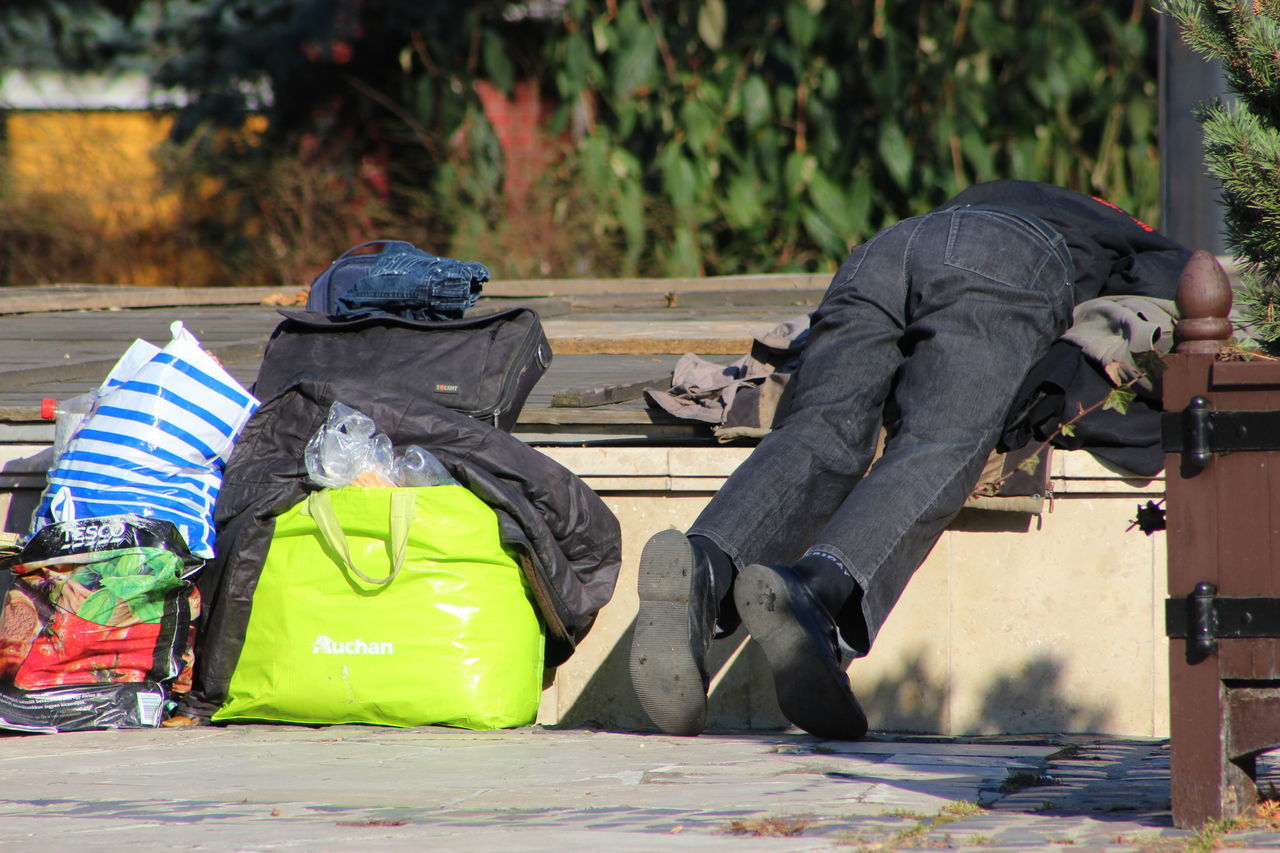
(97,625)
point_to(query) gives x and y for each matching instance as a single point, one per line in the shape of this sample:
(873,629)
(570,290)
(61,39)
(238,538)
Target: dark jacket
(1111,254)
(567,540)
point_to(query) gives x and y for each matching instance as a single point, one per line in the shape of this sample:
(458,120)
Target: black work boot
(674,627)
(799,639)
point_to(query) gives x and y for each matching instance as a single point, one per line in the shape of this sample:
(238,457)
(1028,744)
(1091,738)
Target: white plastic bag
(155,444)
(73,412)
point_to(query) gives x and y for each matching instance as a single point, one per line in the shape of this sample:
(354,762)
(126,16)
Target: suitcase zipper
(531,342)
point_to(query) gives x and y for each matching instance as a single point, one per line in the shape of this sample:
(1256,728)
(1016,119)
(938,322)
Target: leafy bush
(690,136)
(1242,141)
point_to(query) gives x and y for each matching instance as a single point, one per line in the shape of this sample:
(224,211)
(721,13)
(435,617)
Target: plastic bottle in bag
(418,467)
(348,446)
(67,415)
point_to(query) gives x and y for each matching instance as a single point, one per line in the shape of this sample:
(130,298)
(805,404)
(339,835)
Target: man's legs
(777,501)
(780,498)
(987,296)
(970,299)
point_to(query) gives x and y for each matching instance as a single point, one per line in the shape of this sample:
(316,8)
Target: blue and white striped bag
(154,444)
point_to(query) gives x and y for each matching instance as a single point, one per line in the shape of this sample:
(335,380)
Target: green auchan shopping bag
(396,606)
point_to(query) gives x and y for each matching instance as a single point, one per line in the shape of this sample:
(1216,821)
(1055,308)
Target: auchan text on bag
(325,645)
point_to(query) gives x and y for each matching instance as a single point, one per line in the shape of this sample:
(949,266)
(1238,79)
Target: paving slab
(265,787)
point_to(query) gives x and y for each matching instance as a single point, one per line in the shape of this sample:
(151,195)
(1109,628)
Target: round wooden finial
(1204,302)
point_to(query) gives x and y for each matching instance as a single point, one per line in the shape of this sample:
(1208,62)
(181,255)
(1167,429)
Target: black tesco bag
(98,625)
(481,366)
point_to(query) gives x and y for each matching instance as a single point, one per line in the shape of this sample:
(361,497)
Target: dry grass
(770,827)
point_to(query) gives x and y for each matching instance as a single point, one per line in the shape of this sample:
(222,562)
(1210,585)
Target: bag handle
(384,243)
(400,522)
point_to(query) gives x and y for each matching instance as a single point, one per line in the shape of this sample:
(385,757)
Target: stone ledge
(623,469)
(674,469)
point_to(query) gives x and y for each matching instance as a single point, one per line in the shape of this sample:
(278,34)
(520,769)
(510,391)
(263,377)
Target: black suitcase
(482,366)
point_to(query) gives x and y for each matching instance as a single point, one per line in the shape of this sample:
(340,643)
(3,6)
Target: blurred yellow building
(101,159)
(78,154)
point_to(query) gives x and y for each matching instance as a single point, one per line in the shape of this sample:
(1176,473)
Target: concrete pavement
(265,787)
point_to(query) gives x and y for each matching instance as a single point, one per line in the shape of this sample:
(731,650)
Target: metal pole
(1191,212)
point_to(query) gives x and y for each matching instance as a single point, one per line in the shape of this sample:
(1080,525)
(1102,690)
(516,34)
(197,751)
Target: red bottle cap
(48,408)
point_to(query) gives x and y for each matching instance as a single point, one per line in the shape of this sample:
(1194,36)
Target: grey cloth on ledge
(741,398)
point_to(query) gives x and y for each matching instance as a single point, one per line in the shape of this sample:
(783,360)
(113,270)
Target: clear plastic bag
(348,447)
(68,415)
(348,450)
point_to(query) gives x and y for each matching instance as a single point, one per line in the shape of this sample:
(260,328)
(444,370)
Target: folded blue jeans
(927,329)
(414,284)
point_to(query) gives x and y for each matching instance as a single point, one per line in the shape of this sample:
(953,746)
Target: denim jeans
(927,329)
(408,282)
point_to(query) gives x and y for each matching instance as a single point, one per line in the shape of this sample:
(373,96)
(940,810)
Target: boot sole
(664,672)
(813,691)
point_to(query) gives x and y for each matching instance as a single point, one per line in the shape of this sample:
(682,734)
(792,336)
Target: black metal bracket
(1197,432)
(1203,618)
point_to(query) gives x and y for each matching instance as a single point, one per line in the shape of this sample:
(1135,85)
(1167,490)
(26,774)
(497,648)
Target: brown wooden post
(1204,302)
(1222,544)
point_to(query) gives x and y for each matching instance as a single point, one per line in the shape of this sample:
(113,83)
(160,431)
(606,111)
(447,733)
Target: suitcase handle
(399,523)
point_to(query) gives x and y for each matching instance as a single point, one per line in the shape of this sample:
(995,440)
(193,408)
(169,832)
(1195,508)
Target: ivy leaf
(1069,430)
(1119,399)
(1030,465)
(497,62)
(712,18)
(1150,518)
(756,104)
(895,152)
(1151,363)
